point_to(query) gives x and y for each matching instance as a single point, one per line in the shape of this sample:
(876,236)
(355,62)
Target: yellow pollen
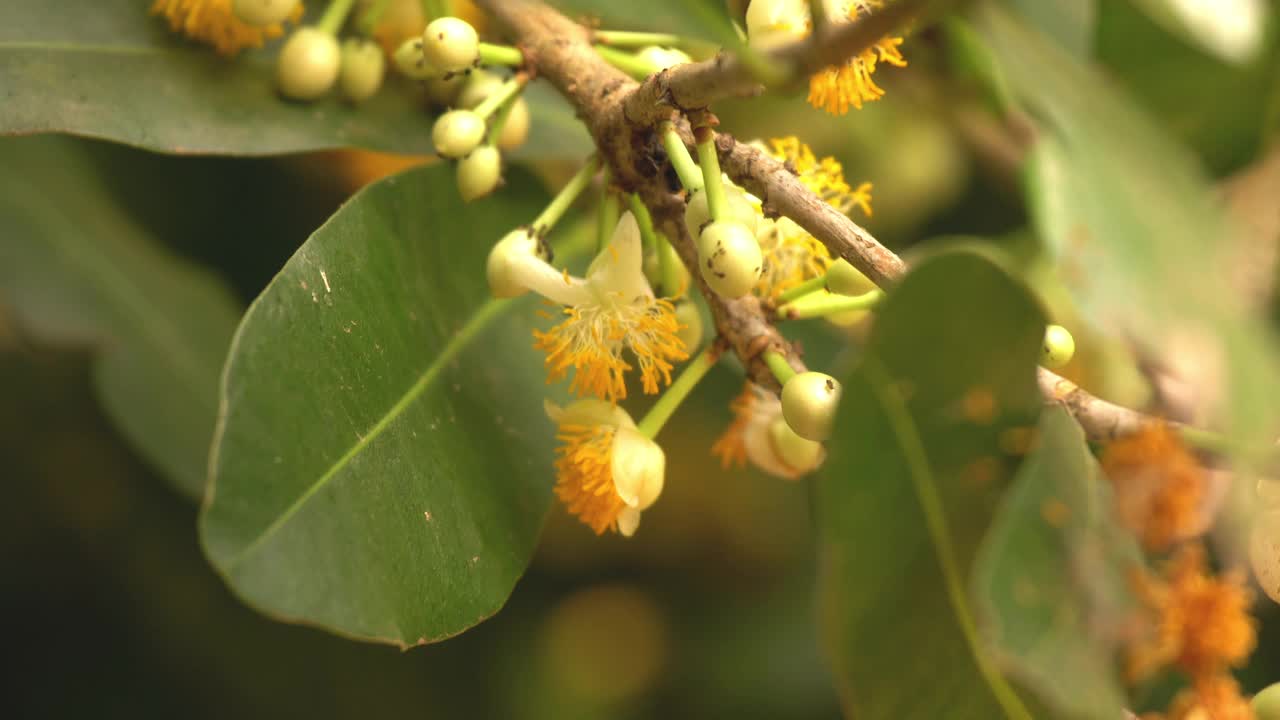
(731,446)
(825,177)
(839,87)
(584,475)
(213,22)
(592,338)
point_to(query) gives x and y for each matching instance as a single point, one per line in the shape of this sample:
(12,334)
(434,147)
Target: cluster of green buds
(485,113)
(313,61)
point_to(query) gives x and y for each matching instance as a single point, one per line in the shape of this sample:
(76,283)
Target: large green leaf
(108,69)
(1232,30)
(1051,579)
(76,270)
(704,19)
(1137,230)
(383,464)
(925,441)
(1070,23)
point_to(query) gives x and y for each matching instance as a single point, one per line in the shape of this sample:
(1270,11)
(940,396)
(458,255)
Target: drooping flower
(1158,485)
(760,435)
(1196,621)
(607,472)
(839,87)
(610,312)
(214,22)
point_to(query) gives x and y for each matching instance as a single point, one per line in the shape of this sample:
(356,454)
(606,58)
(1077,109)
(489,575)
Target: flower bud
(308,64)
(771,23)
(1266,704)
(450,44)
(457,132)
(362,67)
(697,214)
(809,403)
(443,91)
(260,13)
(479,85)
(479,172)
(628,521)
(660,58)
(639,466)
(845,279)
(1058,348)
(506,261)
(516,129)
(799,454)
(690,319)
(409,61)
(729,258)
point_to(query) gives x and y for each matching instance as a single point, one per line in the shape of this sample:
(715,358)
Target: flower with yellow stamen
(839,87)
(759,434)
(213,22)
(825,177)
(610,312)
(607,471)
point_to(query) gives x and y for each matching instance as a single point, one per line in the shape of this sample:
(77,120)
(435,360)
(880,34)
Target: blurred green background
(708,612)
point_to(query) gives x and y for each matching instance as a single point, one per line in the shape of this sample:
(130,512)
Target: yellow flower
(214,22)
(838,87)
(612,311)
(759,434)
(607,472)
(825,177)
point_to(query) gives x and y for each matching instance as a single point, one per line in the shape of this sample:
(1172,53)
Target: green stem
(608,213)
(637,68)
(334,16)
(507,92)
(566,196)
(804,288)
(499,122)
(504,55)
(669,267)
(686,169)
(717,204)
(369,21)
(670,401)
(779,366)
(647,236)
(822,305)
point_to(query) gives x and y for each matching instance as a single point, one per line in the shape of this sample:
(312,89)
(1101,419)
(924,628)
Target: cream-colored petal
(628,521)
(639,467)
(588,411)
(617,273)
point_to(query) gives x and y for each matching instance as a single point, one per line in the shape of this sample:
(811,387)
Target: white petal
(588,411)
(617,273)
(639,467)
(628,521)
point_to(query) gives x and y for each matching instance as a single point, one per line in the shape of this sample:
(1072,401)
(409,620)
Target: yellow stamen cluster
(1159,486)
(839,87)
(584,475)
(791,255)
(731,447)
(825,177)
(213,22)
(592,338)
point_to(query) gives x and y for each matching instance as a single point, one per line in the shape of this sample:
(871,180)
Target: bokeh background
(113,611)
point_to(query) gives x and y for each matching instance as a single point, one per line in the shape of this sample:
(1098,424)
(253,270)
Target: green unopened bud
(660,58)
(308,64)
(506,260)
(845,279)
(261,13)
(479,85)
(516,129)
(451,44)
(457,132)
(798,454)
(697,214)
(443,91)
(1266,704)
(690,319)
(479,173)
(1059,347)
(410,62)
(729,258)
(809,403)
(362,67)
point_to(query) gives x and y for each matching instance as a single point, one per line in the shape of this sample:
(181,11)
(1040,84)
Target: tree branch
(620,113)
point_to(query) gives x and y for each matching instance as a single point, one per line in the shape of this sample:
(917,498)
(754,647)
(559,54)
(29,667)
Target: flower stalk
(670,401)
(570,192)
(821,305)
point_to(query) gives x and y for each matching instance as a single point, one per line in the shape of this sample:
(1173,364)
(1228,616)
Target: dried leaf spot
(980,405)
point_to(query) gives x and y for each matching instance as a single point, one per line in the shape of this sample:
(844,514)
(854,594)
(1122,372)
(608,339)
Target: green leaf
(383,464)
(925,442)
(1070,23)
(77,270)
(1232,30)
(1051,576)
(108,69)
(1137,230)
(701,19)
